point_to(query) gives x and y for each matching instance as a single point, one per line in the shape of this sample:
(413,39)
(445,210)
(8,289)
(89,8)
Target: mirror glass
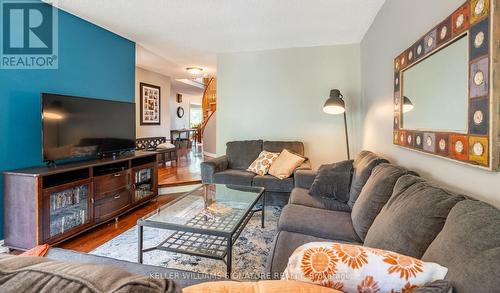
(437,87)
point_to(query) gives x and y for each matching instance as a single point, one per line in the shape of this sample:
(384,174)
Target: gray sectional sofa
(389,207)
(231,168)
(394,209)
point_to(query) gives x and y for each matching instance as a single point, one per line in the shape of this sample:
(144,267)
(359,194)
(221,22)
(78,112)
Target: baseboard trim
(210,154)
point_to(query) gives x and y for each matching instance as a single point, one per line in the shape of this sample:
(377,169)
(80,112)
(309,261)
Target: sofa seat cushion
(412,218)
(322,223)
(241,154)
(271,183)
(301,196)
(374,195)
(363,166)
(37,274)
(469,246)
(234,177)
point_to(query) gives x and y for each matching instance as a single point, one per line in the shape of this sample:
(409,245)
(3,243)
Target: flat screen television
(76,127)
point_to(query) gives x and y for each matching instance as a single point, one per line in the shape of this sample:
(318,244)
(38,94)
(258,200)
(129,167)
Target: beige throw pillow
(262,164)
(285,164)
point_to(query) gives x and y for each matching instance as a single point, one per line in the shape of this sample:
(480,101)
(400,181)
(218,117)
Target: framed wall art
(150,104)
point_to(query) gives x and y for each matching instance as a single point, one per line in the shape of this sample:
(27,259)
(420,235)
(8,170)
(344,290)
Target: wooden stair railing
(208,104)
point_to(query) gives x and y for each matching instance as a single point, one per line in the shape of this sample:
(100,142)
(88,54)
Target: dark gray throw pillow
(333,181)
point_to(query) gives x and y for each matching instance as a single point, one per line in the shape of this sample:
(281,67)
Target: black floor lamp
(335,105)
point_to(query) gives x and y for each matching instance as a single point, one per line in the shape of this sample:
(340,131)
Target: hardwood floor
(186,171)
(94,238)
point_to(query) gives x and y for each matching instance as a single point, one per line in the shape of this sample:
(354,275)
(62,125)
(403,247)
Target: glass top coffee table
(205,222)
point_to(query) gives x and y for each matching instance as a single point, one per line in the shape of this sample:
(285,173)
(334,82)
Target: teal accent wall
(93,62)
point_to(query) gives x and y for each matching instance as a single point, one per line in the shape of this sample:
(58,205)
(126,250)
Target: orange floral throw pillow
(262,164)
(39,250)
(353,268)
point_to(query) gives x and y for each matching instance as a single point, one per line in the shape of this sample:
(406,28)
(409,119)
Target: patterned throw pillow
(353,268)
(262,164)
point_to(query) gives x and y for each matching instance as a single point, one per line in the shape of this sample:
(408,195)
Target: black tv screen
(75,127)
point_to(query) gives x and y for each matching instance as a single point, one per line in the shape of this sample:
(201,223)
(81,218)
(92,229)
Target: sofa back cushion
(363,166)
(469,246)
(412,217)
(374,195)
(37,274)
(278,146)
(241,154)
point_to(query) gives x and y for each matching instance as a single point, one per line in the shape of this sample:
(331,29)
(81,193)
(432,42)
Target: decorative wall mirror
(446,87)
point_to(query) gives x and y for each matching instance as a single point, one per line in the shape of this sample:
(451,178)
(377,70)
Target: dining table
(177,133)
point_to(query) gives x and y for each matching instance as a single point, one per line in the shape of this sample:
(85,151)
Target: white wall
(399,24)
(187,99)
(279,95)
(210,136)
(142,75)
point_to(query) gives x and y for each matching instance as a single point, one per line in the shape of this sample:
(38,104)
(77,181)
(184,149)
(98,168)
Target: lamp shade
(335,104)
(407,104)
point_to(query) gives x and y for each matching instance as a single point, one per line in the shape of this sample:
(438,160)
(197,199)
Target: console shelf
(52,204)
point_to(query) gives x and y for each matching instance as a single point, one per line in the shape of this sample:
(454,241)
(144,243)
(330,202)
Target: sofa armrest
(209,168)
(305,166)
(304,178)
(180,277)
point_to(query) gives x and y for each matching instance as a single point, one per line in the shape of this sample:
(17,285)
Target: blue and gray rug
(250,251)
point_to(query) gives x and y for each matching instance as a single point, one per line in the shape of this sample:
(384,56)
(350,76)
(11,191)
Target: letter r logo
(27,28)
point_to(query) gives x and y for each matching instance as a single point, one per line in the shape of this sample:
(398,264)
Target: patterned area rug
(250,251)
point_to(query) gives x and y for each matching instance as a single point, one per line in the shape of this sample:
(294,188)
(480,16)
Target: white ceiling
(191,32)
(181,87)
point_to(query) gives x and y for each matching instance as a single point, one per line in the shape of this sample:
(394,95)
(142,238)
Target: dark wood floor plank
(186,171)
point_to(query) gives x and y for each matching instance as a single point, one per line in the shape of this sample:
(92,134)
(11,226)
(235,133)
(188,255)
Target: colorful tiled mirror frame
(479,20)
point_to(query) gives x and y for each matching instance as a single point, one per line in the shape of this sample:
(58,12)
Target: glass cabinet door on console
(144,182)
(67,209)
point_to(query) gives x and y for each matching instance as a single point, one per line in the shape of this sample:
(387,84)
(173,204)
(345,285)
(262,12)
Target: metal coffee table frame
(198,241)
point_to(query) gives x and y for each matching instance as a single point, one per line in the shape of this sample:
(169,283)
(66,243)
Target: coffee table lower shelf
(198,242)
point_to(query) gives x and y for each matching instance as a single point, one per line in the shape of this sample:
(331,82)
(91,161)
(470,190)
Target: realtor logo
(29,36)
